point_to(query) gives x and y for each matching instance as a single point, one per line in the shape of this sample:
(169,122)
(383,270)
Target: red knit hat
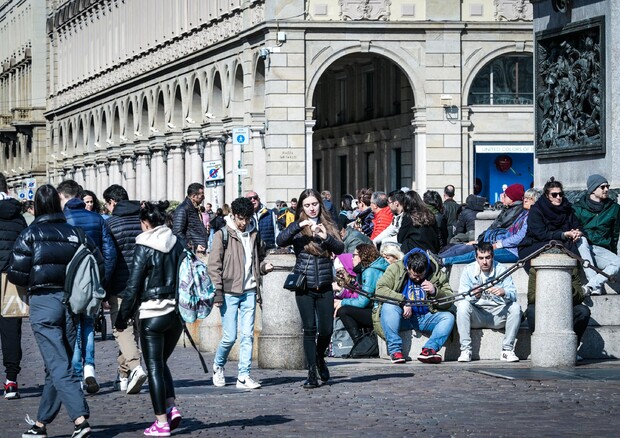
(515,192)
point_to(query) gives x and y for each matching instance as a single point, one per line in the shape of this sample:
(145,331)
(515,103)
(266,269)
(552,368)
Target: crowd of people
(381,264)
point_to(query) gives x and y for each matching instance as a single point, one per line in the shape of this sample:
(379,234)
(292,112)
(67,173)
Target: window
(508,80)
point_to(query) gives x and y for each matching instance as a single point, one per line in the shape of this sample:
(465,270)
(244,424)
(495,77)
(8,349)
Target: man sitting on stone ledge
(493,308)
(416,277)
(599,213)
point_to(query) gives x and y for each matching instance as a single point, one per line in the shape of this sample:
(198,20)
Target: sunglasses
(604,186)
(253,198)
(557,194)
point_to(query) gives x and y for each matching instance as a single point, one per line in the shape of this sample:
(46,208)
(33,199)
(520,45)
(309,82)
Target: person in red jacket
(383,215)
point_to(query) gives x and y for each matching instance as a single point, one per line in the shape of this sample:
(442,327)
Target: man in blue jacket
(94,227)
(266,220)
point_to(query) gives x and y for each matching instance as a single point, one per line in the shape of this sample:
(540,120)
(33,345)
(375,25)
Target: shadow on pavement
(261,420)
(371,378)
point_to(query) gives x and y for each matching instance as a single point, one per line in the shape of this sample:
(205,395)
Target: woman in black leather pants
(315,238)
(151,290)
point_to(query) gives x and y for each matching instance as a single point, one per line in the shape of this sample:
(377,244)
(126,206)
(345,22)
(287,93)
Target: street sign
(241,136)
(241,171)
(213,170)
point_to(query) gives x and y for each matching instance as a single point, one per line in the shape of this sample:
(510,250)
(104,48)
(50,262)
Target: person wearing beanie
(512,207)
(599,213)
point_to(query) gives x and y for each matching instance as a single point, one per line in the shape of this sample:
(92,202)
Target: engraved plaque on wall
(570,90)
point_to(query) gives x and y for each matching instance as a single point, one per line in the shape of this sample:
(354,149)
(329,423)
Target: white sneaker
(218,376)
(89,379)
(123,382)
(136,379)
(247,383)
(465,356)
(509,356)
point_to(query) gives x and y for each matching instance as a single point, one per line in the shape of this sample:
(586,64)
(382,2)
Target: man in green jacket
(599,213)
(416,277)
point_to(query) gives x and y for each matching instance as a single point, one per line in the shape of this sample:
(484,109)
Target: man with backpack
(187,221)
(124,225)
(239,247)
(94,227)
(11,225)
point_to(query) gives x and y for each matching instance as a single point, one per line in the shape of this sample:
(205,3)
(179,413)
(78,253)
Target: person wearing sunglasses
(552,218)
(599,212)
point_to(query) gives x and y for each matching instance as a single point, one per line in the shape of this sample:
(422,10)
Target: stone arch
(483,61)
(90,146)
(130,123)
(258,91)
(81,137)
(195,114)
(115,136)
(177,119)
(216,105)
(236,93)
(103,129)
(159,111)
(70,137)
(144,125)
(405,61)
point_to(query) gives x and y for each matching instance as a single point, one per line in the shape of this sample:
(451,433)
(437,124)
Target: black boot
(311,382)
(322,368)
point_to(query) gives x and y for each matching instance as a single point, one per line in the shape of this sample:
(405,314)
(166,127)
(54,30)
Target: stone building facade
(335,94)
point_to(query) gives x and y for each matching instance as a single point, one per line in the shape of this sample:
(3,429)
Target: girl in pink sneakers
(151,291)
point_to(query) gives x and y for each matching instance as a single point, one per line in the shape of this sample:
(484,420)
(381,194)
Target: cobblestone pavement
(364,398)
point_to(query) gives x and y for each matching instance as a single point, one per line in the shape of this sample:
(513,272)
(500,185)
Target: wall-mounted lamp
(222,141)
(452,111)
(446,100)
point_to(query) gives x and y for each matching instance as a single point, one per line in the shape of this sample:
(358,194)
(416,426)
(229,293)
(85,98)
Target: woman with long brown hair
(315,238)
(419,227)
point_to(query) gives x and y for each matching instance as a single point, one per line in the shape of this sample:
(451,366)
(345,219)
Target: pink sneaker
(174,418)
(157,430)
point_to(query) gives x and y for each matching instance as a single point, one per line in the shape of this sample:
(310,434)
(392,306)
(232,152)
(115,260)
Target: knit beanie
(594,181)
(515,192)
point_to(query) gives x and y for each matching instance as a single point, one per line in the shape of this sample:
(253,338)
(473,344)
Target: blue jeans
(85,338)
(501,255)
(439,324)
(243,305)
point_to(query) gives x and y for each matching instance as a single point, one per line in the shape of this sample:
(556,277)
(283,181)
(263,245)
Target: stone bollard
(554,343)
(280,343)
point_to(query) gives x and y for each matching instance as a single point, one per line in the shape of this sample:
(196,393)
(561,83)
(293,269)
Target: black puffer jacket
(124,226)
(43,251)
(154,273)
(318,270)
(11,224)
(188,225)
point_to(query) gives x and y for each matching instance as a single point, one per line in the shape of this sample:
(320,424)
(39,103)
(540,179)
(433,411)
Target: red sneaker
(398,357)
(428,355)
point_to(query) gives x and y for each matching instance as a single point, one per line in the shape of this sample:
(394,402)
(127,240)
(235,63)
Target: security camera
(263,53)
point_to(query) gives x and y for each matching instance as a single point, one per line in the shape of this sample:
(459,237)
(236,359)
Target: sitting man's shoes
(437,259)
(34,430)
(509,356)
(398,357)
(323,370)
(428,355)
(465,356)
(10,390)
(136,379)
(587,291)
(312,380)
(598,291)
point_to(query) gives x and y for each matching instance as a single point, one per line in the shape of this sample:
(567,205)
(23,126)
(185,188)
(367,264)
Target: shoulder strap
(224,237)
(191,341)
(81,235)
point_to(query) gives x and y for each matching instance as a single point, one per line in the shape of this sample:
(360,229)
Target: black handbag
(295,282)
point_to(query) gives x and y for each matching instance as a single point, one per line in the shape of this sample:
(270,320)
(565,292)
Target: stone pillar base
(554,349)
(281,351)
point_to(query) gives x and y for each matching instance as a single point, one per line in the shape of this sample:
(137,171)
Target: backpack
(195,293)
(83,291)
(341,342)
(365,347)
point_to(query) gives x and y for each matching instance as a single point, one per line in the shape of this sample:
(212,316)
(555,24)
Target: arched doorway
(362,136)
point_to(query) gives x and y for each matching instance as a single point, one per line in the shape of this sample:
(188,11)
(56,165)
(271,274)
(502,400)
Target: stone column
(554,343)
(143,170)
(158,176)
(175,161)
(280,344)
(128,173)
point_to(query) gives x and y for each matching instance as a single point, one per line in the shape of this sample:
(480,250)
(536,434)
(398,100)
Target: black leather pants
(159,337)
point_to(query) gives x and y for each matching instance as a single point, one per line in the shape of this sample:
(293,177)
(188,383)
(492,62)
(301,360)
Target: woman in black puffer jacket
(39,262)
(314,238)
